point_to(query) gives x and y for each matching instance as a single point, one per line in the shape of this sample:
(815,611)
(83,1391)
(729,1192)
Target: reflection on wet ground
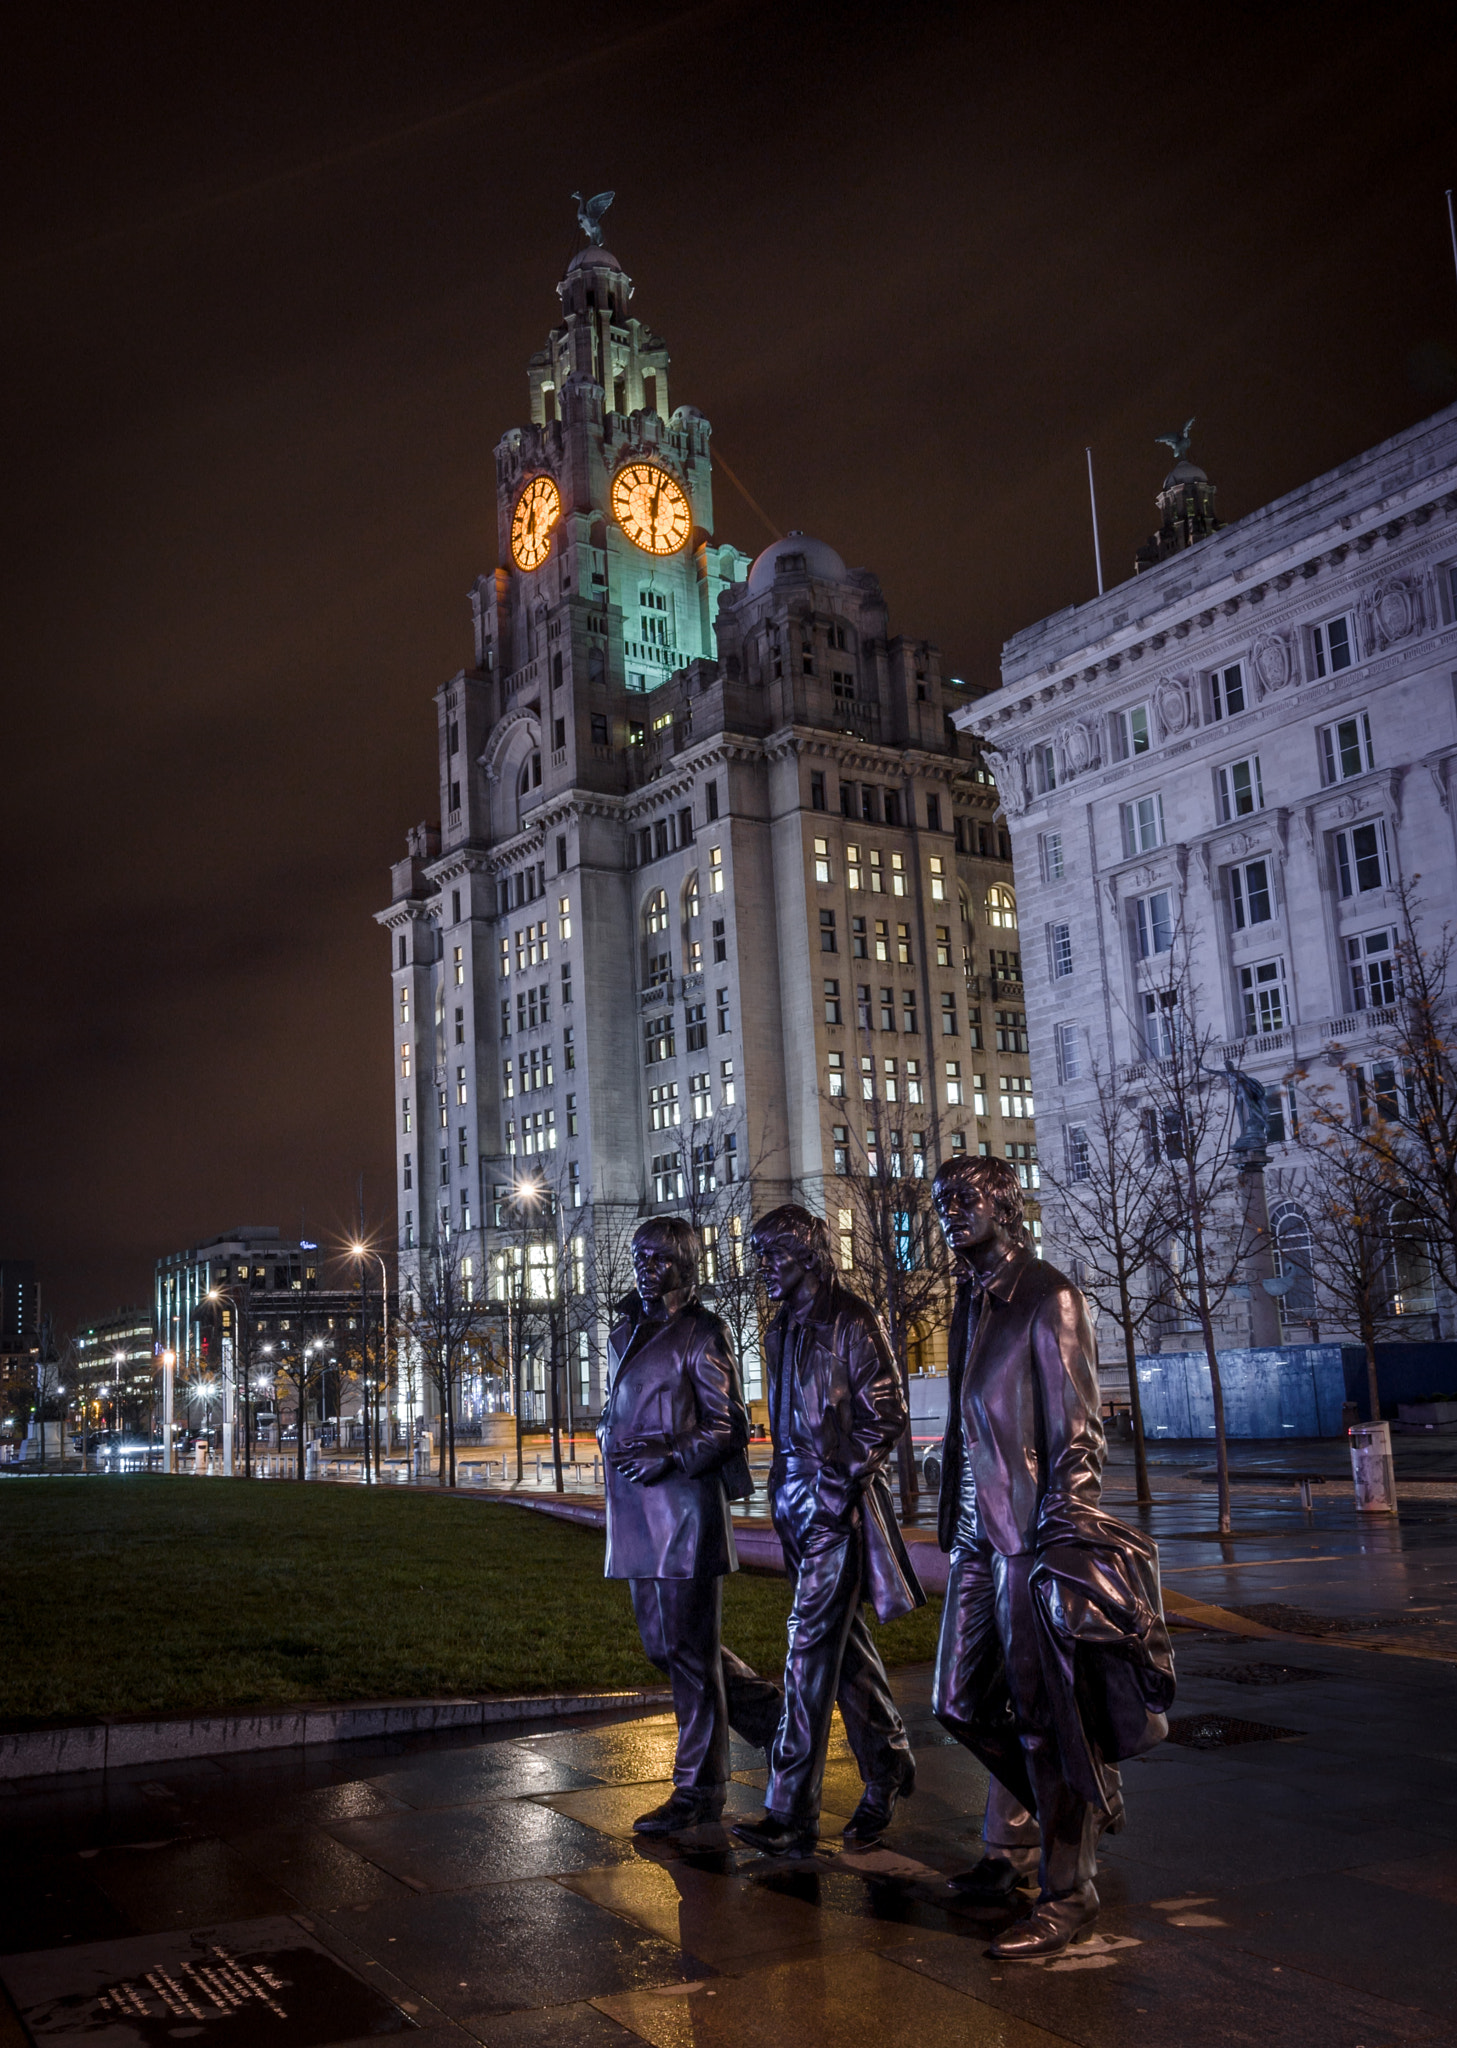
(490,1889)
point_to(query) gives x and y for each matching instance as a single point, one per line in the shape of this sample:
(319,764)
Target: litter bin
(1371,1468)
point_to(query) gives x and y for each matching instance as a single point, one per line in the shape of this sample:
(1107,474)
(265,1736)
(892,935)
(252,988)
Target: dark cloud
(271,278)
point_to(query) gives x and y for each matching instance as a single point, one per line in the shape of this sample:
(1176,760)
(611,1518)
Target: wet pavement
(1301,1886)
(1298,1884)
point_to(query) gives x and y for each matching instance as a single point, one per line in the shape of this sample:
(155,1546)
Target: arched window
(1001,908)
(965,906)
(691,903)
(530,776)
(655,912)
(1294,1260)
(1412,1292)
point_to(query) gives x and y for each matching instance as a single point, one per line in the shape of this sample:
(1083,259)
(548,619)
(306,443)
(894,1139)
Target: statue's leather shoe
(993,1880)
(779,1837)
(682,1811)
(877,1807)
(1050,1928)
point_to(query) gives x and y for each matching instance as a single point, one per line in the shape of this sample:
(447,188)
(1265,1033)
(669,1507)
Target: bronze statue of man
(836,1408)
(673,1432)
(1053,1662)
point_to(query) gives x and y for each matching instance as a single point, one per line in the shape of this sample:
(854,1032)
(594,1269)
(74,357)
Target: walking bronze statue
(1054,1662)
(673,1432)
(836,1409)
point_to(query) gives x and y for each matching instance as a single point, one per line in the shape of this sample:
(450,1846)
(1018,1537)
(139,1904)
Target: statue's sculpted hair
(807,1233)
(998,1178)
(678,1238)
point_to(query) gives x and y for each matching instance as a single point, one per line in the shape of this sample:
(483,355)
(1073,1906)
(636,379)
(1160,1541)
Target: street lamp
(362,1252)
(229,1360)
(169,1395)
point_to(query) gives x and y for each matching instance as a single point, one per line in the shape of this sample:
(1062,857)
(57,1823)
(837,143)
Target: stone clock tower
(610,960)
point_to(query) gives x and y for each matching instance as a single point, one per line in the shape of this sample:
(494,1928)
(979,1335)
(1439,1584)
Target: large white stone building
(717,892)
(1257,734)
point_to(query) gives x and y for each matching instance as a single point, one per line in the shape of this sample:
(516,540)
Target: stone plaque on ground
(248,1984)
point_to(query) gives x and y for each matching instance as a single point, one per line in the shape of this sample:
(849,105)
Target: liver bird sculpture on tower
(590,212)
(1179,441)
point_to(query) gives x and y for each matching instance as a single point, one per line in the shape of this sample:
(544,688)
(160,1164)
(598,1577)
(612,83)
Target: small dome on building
(801,555)
(593,258)
(1184,472)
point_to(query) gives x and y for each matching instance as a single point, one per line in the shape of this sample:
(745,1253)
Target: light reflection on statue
(590,212)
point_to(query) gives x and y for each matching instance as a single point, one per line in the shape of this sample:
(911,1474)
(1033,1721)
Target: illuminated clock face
(651,508)
(537,511)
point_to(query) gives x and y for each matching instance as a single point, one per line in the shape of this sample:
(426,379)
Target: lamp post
(169,1392)
(229,1359)
(363,1252)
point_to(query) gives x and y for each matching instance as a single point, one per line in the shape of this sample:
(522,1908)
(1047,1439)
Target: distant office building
(268,1296)
(1256,736)
(717,895)
(114,1362)
(19,1343)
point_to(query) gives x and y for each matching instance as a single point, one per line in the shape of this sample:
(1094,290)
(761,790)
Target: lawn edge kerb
(104,1745)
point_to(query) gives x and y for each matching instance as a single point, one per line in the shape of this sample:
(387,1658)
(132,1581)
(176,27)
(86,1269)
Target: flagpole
(1093,496)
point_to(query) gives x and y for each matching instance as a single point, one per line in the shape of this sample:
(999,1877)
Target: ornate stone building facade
(718,901)
(1256,736)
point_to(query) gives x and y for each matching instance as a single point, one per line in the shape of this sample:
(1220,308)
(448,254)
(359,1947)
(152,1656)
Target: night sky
(272,278)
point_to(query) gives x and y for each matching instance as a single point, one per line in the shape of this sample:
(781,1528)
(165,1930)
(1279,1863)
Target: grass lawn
(162,1596)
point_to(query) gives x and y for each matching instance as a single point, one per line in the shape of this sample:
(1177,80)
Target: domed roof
(1184,472)
(817,556)
(593,258)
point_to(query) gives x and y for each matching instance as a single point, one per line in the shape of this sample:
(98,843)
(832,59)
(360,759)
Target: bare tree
(444,1322)
(1111,1209)
(1194,1172)
(1406,1095)
(886,1231)
(1344,1193)
(299,1359)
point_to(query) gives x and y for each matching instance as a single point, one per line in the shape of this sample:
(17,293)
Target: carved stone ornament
(1272,660)
(1079,746)
(1171,705)
(1437,769)
(1305,819)
(1010,772)
(1201,860)
(1396,611)
(1351,806)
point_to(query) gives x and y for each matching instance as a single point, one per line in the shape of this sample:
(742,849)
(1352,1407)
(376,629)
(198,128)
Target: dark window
(887,1009)
(685,827)
(867,801)
(404,947)
(556,672)
(892,807)
(561,853)
(455,736)
(862,1006)
(720,943)
(847,800)
(559,732)
(599,729)
(857,938)
(408,1175)
(660,837)
(832,1003)
(696,1017)
(723,1009)
(816,791)
(455,796)
(455,906)
(567,981)
(569,1050)
(460,1026)
(933,814)
(711,794)
(827,932)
